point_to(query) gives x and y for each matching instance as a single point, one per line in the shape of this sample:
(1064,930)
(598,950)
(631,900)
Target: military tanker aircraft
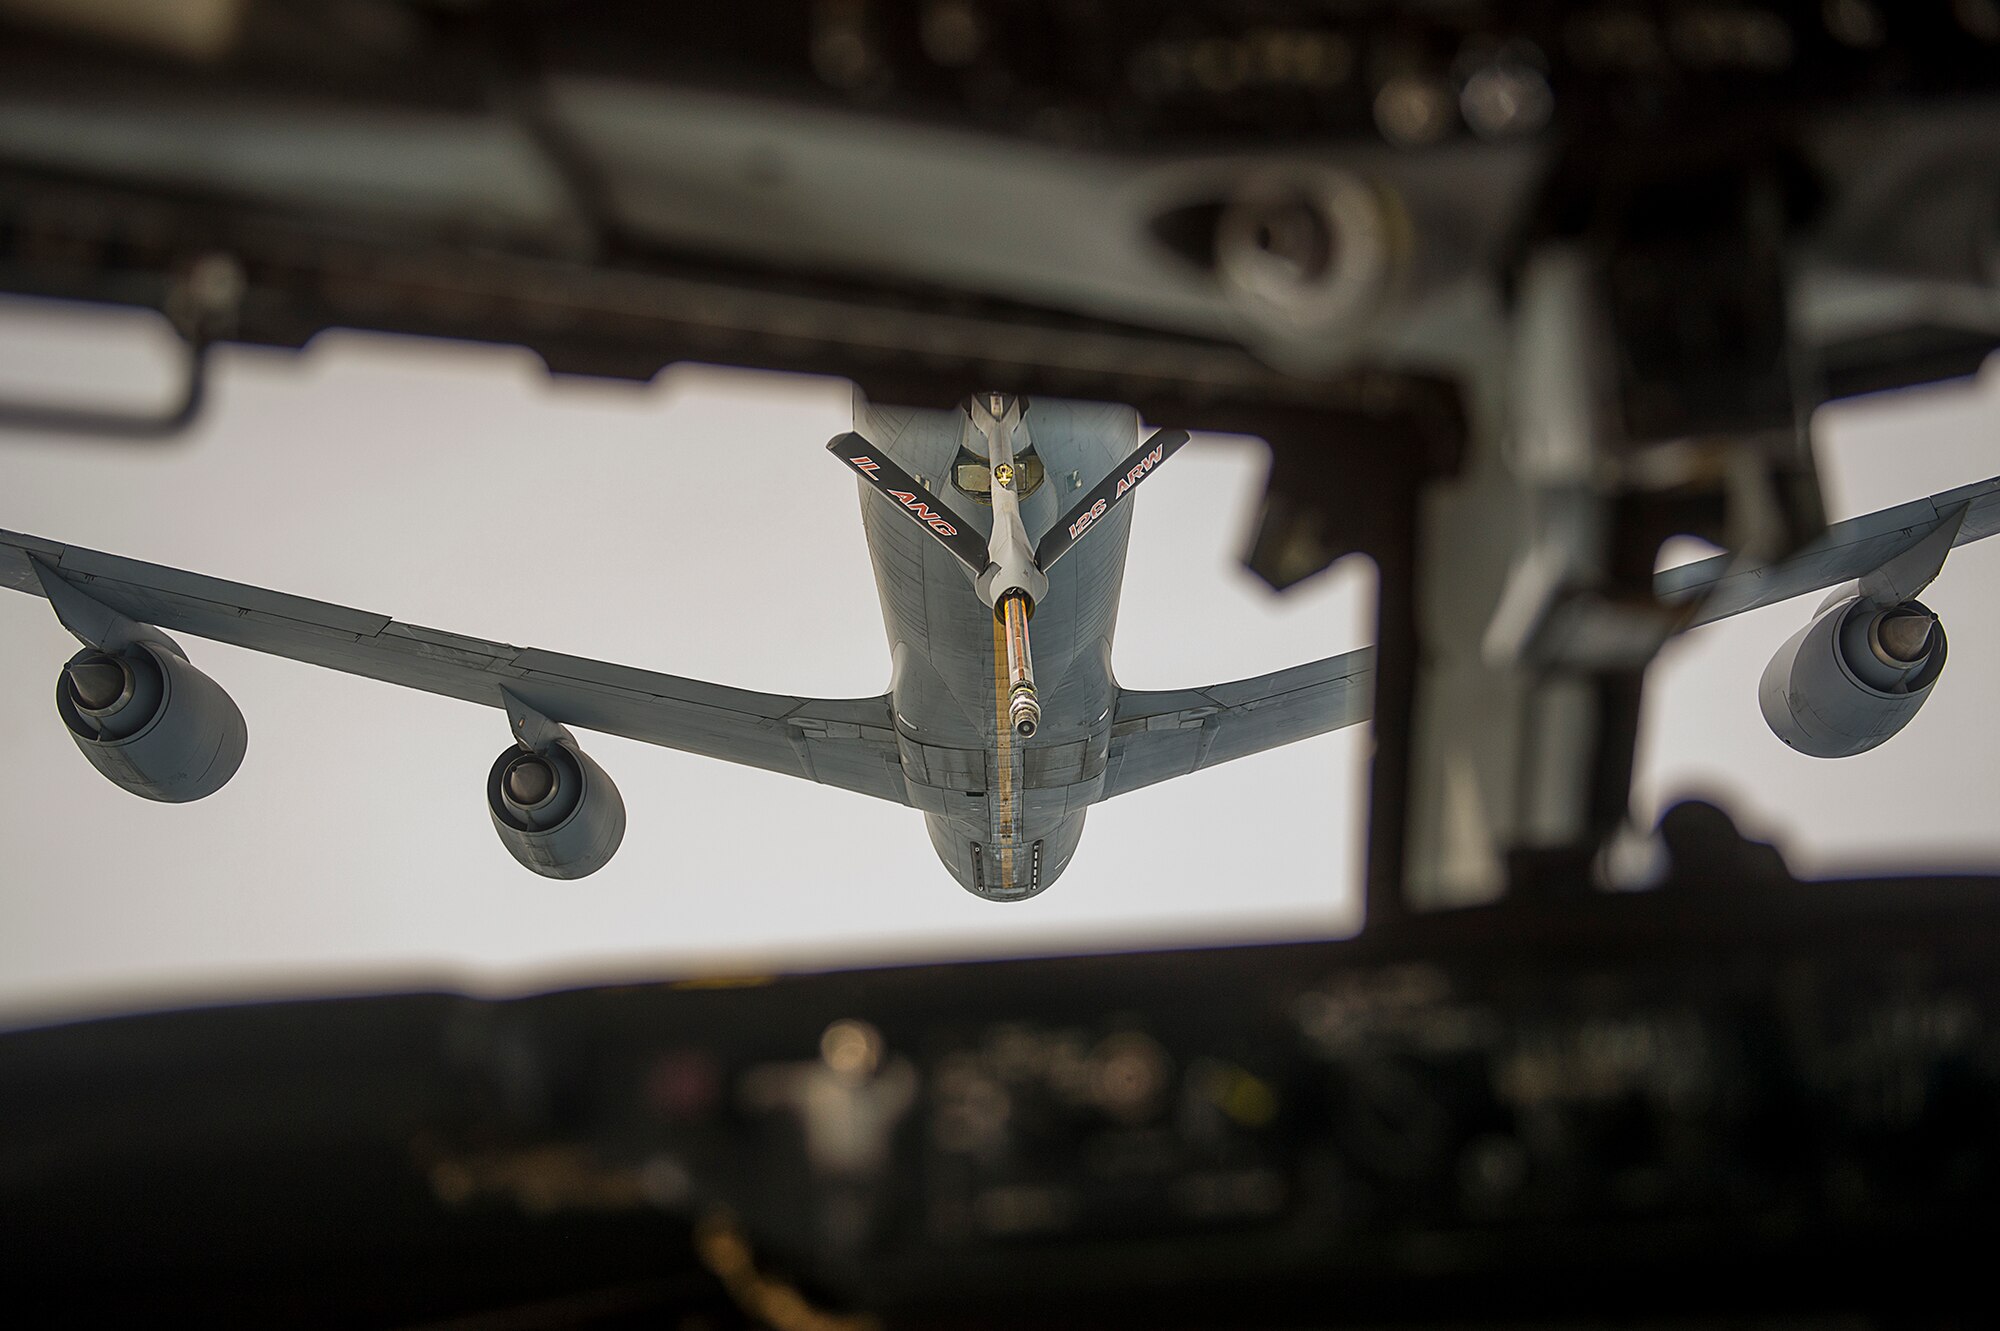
(1002,722)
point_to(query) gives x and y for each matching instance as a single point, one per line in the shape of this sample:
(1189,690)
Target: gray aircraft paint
(949,755)
(946,753)
(1005,814)
(1021,802)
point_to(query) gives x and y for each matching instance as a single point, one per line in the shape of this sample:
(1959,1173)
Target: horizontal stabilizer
(1109,493)
(903,490)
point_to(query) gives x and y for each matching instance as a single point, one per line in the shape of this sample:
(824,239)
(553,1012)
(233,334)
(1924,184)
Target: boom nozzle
(1024,709)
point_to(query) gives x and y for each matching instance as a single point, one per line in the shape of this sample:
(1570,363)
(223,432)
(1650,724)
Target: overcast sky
(459,487)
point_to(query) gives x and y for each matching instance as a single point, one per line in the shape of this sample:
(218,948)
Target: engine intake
(1852,677)
(555,810)
(150,722)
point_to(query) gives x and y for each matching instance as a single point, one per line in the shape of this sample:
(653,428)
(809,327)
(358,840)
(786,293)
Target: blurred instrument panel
(1745,1098)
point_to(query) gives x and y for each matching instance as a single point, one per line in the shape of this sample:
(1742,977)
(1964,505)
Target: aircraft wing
(849,743)
(1849,550)
(1159,735)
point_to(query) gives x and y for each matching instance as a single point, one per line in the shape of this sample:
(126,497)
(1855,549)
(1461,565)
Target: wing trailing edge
(1894,551)
(845,742)
(1159,735)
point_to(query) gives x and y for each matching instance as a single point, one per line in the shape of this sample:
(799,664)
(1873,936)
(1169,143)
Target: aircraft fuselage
(1005,813)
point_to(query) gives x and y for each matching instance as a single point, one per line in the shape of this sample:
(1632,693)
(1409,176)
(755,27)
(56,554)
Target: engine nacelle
(555,810)
(152,723)
(1852,677)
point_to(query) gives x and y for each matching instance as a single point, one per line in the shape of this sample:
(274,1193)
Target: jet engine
(151,722)
(1852,677)
(555,810)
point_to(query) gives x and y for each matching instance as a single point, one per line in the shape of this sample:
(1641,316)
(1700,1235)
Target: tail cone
(529,781)
(1905,635)
(96,683)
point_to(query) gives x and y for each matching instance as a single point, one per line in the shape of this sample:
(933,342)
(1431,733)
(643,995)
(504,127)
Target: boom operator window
(971,475)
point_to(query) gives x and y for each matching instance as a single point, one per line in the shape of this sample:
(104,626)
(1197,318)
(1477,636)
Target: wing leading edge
(1848,551)
(848,743)
(1160,735)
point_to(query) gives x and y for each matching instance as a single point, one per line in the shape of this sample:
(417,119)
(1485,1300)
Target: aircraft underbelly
(1005,814)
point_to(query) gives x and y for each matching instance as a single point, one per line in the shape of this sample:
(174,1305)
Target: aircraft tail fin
(1108,494)
(907,493)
